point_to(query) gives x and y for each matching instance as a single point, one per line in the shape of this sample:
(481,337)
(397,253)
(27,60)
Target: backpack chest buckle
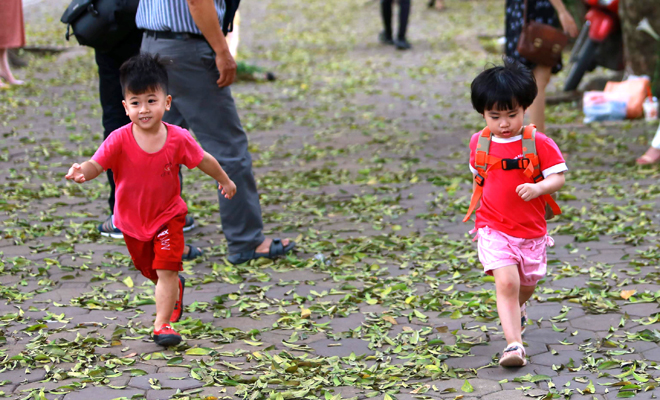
(514,163)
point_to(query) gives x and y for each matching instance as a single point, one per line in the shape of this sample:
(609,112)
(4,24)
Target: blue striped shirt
(171,15)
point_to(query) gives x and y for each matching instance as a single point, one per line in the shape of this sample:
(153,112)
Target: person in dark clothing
(385,36)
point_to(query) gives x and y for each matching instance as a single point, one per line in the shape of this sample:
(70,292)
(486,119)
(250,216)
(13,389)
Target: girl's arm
(530,191)
(210,166)
(566,19)
(85,172)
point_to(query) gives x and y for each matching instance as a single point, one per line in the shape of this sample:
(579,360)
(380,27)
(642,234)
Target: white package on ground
(603,106)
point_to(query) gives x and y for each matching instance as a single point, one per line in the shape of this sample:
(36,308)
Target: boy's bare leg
(167,289)
(525,293)
(507,287)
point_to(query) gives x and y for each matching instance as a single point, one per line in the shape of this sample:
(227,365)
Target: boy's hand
(528,191)
(75,173)
(228,189)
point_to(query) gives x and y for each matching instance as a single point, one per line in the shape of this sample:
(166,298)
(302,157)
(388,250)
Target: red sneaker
(166,336)
(178,306)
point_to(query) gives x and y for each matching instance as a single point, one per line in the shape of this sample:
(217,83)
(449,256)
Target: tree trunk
(641,50)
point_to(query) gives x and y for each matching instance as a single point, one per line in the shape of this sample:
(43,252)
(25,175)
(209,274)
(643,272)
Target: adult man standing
(189,33)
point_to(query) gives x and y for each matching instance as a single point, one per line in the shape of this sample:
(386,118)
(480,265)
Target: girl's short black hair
(504,87)
(143,73)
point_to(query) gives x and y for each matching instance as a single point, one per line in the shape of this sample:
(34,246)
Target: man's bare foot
(651,156)
(264,247)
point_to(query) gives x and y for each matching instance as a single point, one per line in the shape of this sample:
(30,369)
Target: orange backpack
(485,163)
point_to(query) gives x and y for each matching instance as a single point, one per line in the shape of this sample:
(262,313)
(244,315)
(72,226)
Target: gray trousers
(210,112)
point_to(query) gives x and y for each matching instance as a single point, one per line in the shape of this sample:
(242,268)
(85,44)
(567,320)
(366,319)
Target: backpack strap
(481,164)
(533,170)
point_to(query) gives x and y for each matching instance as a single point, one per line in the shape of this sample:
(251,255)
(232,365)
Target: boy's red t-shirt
(501,207)
(148,191)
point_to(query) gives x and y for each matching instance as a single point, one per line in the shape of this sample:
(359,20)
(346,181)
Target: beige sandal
(651,156)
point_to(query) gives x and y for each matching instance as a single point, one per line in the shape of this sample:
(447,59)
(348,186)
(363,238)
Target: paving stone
(468,362)
(601,322)
(345,324)
(142,382)
(165,394)
(481,387)
(565,377)
(19,376)
(506,395)
(498,373)
(653,354)
(246,323)
(348,346)
(548,359)
(102,393)
(641,310)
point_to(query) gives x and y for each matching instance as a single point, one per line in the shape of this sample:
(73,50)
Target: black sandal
(193,253)
(277,249)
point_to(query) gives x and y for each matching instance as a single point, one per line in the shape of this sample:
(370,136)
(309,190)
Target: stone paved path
(360,152)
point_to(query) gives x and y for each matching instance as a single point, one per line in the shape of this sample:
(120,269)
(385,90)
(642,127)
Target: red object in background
(600,42)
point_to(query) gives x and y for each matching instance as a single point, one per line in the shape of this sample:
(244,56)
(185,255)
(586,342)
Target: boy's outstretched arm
(210,166)
(84,172)
(530,191)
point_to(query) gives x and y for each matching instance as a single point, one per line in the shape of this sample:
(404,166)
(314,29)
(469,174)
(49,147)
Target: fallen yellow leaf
(390,319)
(625,294)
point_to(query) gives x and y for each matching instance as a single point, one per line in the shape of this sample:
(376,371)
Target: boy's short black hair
(143,73)
(504,87)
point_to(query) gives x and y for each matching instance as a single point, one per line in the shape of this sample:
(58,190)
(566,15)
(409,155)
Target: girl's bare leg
(507,287)
(525,293)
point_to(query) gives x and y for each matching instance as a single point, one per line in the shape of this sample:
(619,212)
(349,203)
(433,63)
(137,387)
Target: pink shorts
(497,250)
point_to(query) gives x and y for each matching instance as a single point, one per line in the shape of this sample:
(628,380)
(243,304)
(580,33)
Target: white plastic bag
(604,106)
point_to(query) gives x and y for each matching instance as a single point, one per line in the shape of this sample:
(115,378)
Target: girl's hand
(75,174)
(228,189)
(528,191)
(568,23)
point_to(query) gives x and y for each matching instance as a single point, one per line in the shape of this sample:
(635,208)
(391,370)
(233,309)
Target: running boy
(145,156)
(515,169)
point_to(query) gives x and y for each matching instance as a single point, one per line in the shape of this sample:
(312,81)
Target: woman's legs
(5,71)
(386,14)
(404,14)
(537,109)
(507,288)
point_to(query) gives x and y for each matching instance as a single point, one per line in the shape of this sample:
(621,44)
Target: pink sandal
(513,356)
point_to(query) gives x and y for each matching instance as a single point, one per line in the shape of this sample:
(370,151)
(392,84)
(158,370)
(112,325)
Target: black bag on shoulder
(230,11)
(100,24)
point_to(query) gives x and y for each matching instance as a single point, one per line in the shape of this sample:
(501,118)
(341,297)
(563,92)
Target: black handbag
(230,11)
(100,24)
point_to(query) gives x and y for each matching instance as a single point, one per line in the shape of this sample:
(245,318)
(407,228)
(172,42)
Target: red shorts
(164,251)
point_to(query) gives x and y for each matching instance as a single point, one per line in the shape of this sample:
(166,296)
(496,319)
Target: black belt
(174,35)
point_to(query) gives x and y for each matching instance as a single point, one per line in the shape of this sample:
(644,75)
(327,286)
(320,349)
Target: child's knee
(508,284)
(166,274)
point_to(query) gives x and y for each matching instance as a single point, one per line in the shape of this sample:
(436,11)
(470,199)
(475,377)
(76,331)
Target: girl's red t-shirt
(501,207)
(148,191)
